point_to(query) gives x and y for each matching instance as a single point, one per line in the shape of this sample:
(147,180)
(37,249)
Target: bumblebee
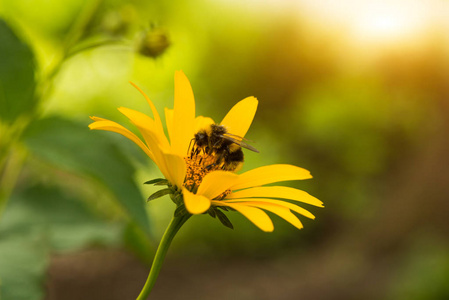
(223,149)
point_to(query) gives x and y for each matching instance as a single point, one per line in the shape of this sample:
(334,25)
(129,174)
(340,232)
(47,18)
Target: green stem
(80,24)
(168,236)
(72,37)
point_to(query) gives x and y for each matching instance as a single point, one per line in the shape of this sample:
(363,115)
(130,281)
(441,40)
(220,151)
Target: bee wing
(239,142)
(239,137)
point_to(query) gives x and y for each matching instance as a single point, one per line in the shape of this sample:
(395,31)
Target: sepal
(181,211)
(157,181)
(211,212)
(177,198)
(160,193)
(223,219)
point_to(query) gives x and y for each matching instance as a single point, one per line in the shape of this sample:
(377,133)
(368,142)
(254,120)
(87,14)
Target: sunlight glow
(380,22)
(388,22)
(377,22)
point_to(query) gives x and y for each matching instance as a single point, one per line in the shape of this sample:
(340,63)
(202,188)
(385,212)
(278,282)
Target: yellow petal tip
(135,86)
(253,99)
(195,204)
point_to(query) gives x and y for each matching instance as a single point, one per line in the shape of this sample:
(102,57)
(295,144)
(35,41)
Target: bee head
(201,139)
(218,129)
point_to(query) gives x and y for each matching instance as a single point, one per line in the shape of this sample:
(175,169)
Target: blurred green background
(354,91)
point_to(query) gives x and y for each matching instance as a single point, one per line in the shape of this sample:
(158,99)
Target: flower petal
(183,116)
(160,159)
(172,166)
(145,124)
(239,118)
(195,204)
(152,138)
(279,210)
(94,118)
(255,215)
(215,183)
(103,124)
(282,192)
(289,205)
(177,168)
(169,121)
(270,174)
(157,119)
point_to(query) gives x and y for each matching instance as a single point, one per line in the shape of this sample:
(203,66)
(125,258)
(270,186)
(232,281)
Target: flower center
(200,163)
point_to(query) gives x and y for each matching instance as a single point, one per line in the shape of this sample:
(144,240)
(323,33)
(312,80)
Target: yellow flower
(194,180)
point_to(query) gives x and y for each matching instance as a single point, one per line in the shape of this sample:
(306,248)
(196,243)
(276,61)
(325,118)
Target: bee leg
(190,149)
(208,150)
(210,166)
(222,158)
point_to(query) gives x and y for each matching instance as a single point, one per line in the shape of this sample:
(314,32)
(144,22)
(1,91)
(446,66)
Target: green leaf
(66,223)
(17,76)
(37,221)
(23,264)
(224,219)
(137,241)
(160,193)
(73,147)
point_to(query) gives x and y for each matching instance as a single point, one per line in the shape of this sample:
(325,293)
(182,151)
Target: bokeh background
(354,91)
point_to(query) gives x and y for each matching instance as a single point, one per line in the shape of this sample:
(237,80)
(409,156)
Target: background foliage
(355,92)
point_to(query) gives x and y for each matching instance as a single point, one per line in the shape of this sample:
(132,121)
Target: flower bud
(153,42)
